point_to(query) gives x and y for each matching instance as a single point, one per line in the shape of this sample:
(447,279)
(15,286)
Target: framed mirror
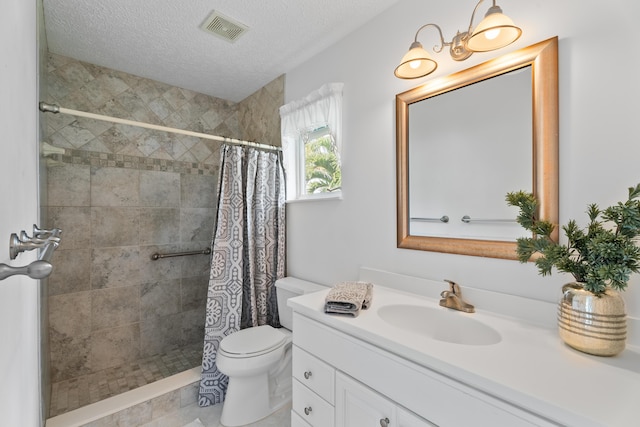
(465,140)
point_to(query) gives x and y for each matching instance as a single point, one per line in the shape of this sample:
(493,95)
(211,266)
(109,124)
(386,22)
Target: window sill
(317,198)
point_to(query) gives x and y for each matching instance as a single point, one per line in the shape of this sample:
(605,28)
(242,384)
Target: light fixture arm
(436,48)
(474,14)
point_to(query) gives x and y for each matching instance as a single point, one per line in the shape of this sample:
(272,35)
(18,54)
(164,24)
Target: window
(321,162)
(311,130)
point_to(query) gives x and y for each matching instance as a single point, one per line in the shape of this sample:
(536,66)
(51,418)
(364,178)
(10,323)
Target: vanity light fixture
(495,31)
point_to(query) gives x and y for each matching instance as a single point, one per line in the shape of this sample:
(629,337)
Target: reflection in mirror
(486,128)
(465,140)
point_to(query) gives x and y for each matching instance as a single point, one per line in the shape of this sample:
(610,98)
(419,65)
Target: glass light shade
(415,63)
(495,31)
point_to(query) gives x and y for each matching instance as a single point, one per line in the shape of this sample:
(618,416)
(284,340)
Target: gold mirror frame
(543,59)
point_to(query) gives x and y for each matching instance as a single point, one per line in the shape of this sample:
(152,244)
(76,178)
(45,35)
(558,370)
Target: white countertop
(530,367)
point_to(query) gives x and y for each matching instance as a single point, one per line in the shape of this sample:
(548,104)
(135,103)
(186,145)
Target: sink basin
(439,324)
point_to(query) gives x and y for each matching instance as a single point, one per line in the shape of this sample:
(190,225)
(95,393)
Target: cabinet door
(409,419)
(359,406)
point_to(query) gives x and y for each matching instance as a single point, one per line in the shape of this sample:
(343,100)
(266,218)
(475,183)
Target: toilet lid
(249,341)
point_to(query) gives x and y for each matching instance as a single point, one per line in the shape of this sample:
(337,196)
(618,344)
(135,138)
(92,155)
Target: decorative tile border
(93,158)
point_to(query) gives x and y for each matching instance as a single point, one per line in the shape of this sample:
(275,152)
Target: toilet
(258,362)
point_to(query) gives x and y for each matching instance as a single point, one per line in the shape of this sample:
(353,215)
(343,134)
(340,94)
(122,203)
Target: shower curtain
(248,254)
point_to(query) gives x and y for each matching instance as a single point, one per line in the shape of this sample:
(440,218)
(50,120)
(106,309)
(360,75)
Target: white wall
(19,368)
(599,137)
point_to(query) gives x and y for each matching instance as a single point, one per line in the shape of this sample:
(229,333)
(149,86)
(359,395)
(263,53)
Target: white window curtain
(322,107)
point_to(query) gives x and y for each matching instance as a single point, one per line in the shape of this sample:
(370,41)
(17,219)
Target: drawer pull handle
(307,410)
(384,422)
(307,374)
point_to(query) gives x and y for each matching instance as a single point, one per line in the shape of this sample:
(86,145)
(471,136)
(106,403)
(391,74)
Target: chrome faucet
(453,298)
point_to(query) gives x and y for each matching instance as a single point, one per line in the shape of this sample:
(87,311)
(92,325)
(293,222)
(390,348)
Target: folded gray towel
(349,298)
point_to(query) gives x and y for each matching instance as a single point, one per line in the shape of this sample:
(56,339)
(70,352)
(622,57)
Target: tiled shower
(118,319)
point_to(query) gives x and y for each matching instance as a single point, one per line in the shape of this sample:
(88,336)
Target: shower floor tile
(76,392)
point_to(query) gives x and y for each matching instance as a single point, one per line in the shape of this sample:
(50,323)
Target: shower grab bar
(48,240)
(158,256)
(467,219)
(443,218)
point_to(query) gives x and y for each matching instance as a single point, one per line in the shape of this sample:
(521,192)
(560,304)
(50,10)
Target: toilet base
(250,399)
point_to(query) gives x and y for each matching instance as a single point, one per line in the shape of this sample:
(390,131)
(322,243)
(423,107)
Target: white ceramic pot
(594,324)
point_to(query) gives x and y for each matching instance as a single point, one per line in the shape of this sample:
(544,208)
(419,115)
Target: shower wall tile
(114,226)
(56,87)
(189,394)
(198,191)
(193,326)
(114,346)
(259,113)
(136,415)
(87,87)
(106,84)
(159,299)
(197,265)
(160,107)
(69,355)
(160,189)
(59,141)
(159,225)
(115,187)
(166,404)
(69,185)
(70,314)
(75,223)
(177,97)
(133,416)
(113,141)
(56,122)
(194,293)
(96,127)
(115,267)
(196,224)
(160,335)
(71,272)
(76,135)
(74,75)
(121,193)
(115,307)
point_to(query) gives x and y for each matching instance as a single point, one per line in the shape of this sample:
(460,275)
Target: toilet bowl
(258,363)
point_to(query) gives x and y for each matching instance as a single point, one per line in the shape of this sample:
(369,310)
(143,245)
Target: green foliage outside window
(322,166)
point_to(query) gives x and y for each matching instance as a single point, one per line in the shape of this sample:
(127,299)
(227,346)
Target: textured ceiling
(162,39)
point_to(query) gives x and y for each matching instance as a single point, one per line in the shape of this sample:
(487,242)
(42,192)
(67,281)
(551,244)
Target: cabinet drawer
(311,407)
(297,421)
(314,373)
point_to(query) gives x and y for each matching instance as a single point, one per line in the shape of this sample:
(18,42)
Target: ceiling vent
(224,27)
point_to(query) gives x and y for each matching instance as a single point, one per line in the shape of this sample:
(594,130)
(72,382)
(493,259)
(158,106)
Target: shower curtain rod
(53,108)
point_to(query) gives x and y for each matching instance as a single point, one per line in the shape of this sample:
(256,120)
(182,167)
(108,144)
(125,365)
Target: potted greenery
(601,258)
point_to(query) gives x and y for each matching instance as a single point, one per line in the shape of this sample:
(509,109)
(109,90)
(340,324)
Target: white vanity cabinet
(359,406)
(409,360)
(372,385)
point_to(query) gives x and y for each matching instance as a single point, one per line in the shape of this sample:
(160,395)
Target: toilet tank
(289,287)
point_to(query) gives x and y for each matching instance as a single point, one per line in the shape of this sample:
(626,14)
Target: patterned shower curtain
(248,254)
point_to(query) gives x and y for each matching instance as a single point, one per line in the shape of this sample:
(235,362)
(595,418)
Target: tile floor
(77,392)
(210,417)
